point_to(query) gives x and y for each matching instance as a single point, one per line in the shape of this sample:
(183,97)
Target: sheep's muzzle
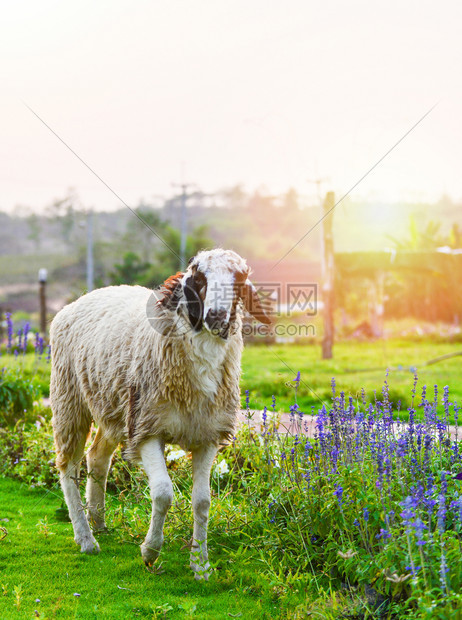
(217,323)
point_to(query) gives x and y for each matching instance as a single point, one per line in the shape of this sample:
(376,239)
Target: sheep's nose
(216,318)
(217,323)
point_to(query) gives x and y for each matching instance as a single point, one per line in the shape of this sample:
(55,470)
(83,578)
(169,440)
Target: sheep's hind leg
(98,462)
(69,477)
(161,488)
(202,460)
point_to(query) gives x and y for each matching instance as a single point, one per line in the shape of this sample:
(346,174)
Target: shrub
(17,396)
(368,503)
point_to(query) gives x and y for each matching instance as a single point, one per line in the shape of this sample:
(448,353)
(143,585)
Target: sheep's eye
(200,279)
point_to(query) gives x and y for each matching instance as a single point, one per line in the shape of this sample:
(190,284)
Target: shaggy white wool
(128,359)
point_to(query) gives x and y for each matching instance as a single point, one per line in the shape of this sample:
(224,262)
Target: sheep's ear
(171,291)
(253,305)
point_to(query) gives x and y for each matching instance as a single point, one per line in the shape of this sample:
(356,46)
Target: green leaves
(17,396)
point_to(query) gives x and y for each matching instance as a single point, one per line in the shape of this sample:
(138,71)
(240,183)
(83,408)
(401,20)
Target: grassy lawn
(269,370)
(39,560)
(21,268)
(285,522)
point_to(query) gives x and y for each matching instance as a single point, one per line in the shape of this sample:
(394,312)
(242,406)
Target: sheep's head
(210,290)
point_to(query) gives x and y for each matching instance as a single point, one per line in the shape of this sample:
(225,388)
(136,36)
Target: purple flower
(26,333)
(456,506)
(264,415)
(339,494)
(414,570)
(441,514)
(20,338)
(442,510)
(446,400)
(443,570)
(38,345)
(419,528)
(366,515)
(408,513)
(9,324)
(332,383)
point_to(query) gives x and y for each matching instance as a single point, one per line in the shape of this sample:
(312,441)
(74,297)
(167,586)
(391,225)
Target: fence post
(42,278)
(328,276)
(377,303)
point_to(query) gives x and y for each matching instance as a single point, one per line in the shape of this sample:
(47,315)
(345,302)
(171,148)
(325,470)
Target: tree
(167,261)
(35,229)
(290,201)
(130,271)
(158,260)
(64,211)
(426,239)
(140,236)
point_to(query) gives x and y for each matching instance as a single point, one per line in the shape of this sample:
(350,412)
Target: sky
(268,94)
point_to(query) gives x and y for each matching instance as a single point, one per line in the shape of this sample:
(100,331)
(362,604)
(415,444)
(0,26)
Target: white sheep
(149,368)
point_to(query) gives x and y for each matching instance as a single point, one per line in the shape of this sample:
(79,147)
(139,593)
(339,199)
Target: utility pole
(318,182)
(90,267)
(183,221)
(183,228)
(328,276)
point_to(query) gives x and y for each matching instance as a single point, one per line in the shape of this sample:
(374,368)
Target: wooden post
(328,276)
(42,278)
(377,303)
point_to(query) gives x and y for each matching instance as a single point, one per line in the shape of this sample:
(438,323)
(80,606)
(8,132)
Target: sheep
(150,368)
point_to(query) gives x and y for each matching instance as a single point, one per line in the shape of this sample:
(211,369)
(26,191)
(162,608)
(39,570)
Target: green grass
(270,370)
(30,367)
(39,559)
(275,534)
(23,268)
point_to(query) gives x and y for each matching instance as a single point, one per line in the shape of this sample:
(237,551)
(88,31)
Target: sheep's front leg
(152,456)
(202,460)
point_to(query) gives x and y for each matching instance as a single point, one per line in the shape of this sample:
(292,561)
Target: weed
(44,527)
(17,596)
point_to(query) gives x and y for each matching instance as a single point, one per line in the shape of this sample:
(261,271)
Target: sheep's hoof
(89,546)
(149,554)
